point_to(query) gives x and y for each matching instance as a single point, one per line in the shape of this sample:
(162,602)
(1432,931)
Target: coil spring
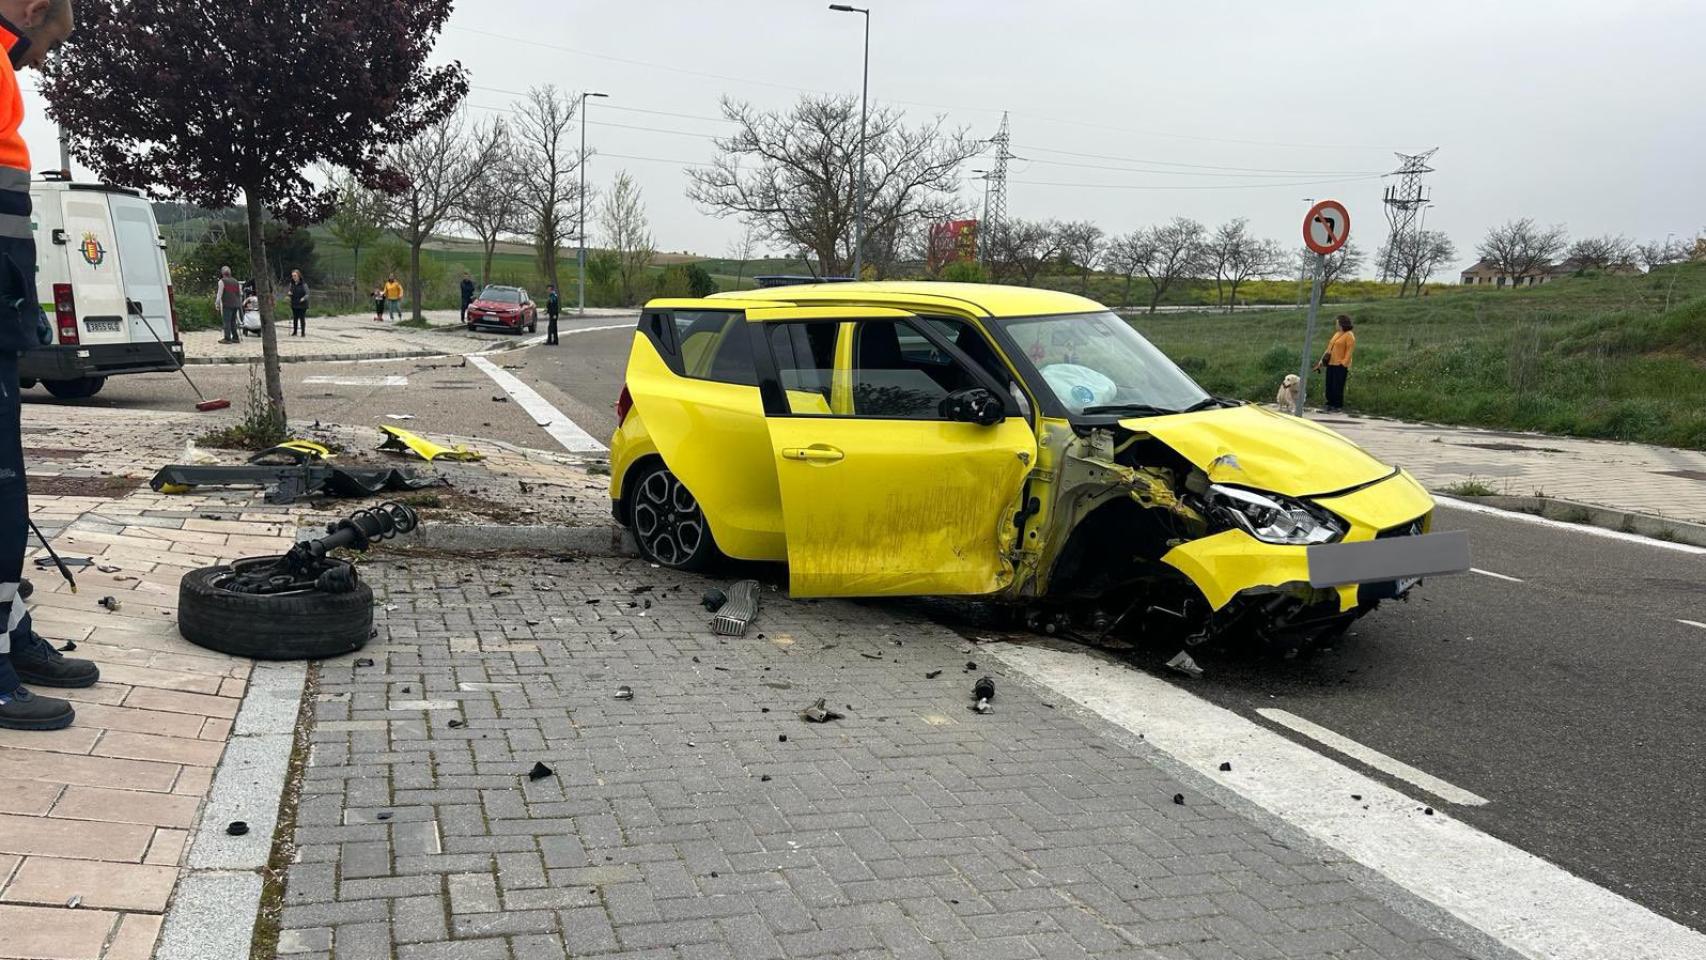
(388,521)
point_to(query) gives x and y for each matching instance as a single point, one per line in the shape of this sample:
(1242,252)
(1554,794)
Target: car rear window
(714,345)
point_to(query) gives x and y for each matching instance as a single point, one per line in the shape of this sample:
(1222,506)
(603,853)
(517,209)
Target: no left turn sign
(1327,227)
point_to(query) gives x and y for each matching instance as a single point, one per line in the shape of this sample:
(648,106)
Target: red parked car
(503,308)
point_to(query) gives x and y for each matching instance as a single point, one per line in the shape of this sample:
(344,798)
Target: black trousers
(1336,377)
(298,321)
(14,513)
(551,329)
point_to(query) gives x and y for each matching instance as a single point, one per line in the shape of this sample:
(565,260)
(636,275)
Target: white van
(102,279)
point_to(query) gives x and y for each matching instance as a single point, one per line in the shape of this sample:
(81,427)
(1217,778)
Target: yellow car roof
(986,298)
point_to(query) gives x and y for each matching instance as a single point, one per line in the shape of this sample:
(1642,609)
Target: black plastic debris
(624,692)
(1356,796)
(1183,663)
(641,589)
(69,646)
(500,399)
(783,738)
(236,828)
(457,724)
(970,666)
(818,713)
(983,691)
(932,674)
(383,815)
(408,690)
(1225,767)
(1179,799)
(111,603)
(540,772)
(364,662)
(764,778)
(1428,811)
(871,656)
(713,600)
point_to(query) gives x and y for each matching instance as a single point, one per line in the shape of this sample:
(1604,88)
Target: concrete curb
(610,541)
(1570,511)
(317,357)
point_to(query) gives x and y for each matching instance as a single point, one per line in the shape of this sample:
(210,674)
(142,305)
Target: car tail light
(65,313)
(624,403)
(172,307)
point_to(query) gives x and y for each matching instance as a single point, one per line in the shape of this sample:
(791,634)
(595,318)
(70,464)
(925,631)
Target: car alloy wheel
(668,523)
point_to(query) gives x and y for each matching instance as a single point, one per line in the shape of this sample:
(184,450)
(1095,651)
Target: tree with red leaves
(206,100)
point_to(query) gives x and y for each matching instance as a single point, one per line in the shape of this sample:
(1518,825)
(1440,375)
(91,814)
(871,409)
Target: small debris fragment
(236,828)
(75,902)
(108,568)
(818,713)
(764,778)
(364,662)
(383,815)
(1179,799)
(983,691)
(782,739)
(871,656)
(970,666)
(1185,664)
(70,645)
(932,674)
(408,690)
(540,772)
(1428,811)
(1225,767)
(500,399)
(457,724)
(624,692)
(1356,796)
(111,603)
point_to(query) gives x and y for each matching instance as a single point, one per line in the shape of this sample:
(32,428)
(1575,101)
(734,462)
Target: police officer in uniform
(29,30)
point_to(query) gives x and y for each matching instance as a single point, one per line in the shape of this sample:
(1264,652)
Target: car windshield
(502,295)
(1095,363)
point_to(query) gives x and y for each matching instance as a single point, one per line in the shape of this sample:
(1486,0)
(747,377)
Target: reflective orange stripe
(14,152)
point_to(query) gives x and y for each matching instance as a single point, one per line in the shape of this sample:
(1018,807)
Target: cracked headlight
(1273,519)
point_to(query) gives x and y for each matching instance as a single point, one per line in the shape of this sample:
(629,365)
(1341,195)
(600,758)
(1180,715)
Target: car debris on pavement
(741,608)
(402,441)
(983,692)
(1184,663)
(819,713)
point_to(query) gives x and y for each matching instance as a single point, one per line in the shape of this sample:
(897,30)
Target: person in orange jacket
(29,30)
(1337,361)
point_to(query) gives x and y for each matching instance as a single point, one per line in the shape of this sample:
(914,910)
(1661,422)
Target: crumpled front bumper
(1232,562)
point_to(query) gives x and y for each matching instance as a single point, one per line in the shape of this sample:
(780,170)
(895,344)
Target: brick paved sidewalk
(704,819)
(1660,481)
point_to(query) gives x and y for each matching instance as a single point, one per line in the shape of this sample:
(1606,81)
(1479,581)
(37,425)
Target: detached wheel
(81,388)
(308,625)
(668,523)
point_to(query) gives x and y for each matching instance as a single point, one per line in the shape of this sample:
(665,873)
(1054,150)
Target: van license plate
(102,326)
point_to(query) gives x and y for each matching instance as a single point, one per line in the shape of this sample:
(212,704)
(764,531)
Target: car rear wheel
(81,388)
(668,523)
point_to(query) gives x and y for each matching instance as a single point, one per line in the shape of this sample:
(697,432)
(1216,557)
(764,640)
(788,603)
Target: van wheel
(668,523)
(81,388)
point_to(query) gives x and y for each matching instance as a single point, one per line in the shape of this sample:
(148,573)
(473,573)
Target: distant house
(1486,272)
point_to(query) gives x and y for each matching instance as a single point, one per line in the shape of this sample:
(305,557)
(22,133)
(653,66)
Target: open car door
(900,461)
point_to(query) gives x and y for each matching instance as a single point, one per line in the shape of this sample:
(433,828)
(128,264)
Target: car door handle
(816,453)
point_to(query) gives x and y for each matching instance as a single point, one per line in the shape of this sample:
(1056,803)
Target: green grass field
(1612,357)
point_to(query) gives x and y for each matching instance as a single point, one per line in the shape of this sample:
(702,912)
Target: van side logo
(93,252)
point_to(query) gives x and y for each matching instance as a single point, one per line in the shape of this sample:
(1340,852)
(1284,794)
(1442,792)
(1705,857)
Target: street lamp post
(859,184)
(580,309)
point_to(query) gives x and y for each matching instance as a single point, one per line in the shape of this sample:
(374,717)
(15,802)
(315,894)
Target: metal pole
(65,154)
(859,187)
(1309,333)
(580,309)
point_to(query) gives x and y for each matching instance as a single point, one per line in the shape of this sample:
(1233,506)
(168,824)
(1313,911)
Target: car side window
(714,345)
(896,372)
(805,362)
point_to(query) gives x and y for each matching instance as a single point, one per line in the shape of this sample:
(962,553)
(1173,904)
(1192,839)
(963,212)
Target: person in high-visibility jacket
(29,31)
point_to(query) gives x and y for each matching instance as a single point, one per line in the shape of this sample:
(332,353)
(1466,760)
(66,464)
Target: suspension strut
(309,566)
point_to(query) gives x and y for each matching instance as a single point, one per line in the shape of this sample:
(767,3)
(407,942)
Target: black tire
(298,626)
(667,522)
(27,382)
(81,388)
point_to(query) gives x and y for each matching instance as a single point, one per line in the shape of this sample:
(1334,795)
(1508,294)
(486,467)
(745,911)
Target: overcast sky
(1581,112)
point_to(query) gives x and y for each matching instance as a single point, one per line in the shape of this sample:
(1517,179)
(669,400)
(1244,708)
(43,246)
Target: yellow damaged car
(889,439)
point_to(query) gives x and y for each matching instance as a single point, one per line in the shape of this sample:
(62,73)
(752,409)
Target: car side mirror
(976,405)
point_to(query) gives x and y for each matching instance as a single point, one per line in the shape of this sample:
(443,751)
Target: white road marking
(1533,907)
(1693,623)
(1495,576)
(1376,759)
(559,426)
(1561,525)
(390,381)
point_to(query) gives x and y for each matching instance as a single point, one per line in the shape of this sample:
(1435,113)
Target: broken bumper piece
(288,483)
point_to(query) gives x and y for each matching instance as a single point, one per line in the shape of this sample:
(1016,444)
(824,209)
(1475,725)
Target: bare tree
(1416,258)
(793,174)
(1175,251)
(359,220)
(1219,250)
(1520,248)
(1249,259)
(740,250)
(1602,252)
(549,162)
(1341,264)
(493,207)
(1660,253)
(1022,247)
(441,165)
(622,215)
(1126,256)
(1081,244)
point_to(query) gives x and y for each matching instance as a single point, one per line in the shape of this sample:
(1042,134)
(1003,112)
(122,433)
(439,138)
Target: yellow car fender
(402,441)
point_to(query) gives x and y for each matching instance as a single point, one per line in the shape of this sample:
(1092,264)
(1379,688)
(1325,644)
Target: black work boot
(23,710)
(40,665)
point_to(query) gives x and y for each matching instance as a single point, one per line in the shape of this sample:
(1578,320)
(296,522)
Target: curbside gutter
(1607,518)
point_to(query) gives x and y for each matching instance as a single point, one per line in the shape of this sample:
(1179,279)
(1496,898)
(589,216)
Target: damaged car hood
(1255,447)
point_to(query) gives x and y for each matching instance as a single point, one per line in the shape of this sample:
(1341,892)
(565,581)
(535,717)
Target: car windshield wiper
(1208,402)
(1134,408)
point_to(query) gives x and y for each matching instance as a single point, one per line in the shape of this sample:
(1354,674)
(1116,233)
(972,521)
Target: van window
(139,259)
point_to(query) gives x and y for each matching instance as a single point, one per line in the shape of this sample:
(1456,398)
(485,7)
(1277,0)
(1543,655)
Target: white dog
(1287,397)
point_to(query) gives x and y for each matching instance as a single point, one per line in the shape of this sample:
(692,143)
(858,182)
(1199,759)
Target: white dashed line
(1535,908)
(1692,623)
(1561,525)
(554,421)
(1495,576)
(1375,759)
(391,381)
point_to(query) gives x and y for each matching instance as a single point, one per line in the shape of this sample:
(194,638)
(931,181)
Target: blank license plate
(1397,559)
(102,326)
